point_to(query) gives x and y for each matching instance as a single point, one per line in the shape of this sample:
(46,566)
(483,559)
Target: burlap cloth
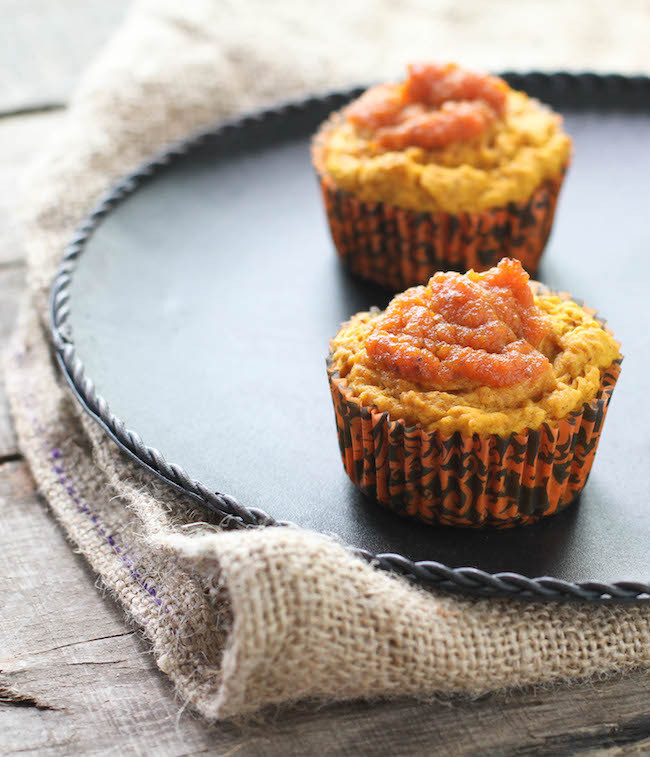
(243,619)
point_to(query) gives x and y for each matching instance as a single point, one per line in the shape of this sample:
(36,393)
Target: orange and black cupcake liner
(399,248)
(474,481)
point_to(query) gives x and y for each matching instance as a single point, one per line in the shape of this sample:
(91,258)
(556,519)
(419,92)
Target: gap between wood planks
(32,110)
(14,457)
(544,723)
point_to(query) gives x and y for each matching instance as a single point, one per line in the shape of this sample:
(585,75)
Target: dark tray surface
(202,306)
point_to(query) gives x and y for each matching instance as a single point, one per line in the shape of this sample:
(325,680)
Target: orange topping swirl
(464,331)
(435,106)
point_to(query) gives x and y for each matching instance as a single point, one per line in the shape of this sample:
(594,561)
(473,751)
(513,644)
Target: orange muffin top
(436,105)
(476,353)
(463,331)
(444,139)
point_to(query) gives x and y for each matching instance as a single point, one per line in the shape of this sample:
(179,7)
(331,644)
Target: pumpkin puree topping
(444,356)
(435,106)
(445,139)
(463,331)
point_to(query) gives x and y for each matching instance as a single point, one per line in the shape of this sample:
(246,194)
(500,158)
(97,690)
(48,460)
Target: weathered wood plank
(70,651)
(45,45)
(629,750)
(75,678)
(12,282)
(18,135)
(93,686)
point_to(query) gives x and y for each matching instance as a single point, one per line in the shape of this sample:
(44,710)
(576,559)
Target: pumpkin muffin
(476,400)
(447,170)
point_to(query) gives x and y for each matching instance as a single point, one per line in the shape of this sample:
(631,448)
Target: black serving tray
(195,305)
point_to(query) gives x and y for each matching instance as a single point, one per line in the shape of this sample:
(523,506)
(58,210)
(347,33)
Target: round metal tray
(192,313)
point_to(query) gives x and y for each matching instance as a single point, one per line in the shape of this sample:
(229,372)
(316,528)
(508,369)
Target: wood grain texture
(89,685)
(76,678)
(18,137)
(12,281)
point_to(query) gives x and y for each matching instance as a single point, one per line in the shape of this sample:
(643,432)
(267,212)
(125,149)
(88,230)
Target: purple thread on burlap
(67,483)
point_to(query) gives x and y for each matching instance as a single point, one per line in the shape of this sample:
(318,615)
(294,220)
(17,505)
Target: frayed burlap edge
(240,620)
(244,619)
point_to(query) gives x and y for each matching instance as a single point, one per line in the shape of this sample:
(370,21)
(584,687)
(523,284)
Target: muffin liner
(474,481)
(399,248)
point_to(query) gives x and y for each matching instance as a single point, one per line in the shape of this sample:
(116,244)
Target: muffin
(448,170)
(476,400)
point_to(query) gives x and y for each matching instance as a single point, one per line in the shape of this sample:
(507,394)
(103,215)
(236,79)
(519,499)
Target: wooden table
(76,677)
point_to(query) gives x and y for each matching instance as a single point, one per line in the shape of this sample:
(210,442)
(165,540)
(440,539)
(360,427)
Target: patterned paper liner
(399,248)
(473,481)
